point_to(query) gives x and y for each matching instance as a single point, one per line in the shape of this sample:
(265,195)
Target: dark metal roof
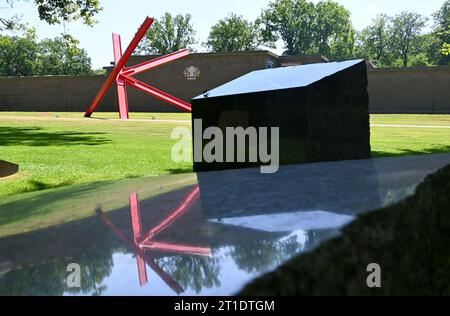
(280,78)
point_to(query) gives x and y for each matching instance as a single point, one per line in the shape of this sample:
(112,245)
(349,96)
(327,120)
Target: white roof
(280,78)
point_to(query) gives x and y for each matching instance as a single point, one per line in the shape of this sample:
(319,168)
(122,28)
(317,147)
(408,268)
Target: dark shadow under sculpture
(8,169)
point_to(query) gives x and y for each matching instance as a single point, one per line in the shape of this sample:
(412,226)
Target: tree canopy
(168,34)
(308,28)
(62,56)
(18,54)
(398,41)
(58,11)
(235,34)
(442,31)
(374,40)
(24,55)
(406,26)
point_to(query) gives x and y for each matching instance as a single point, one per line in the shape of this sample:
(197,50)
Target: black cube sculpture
(322,111)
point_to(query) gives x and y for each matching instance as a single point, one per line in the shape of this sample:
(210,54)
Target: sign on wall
(191,73)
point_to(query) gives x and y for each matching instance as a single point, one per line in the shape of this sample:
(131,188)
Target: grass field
(424,134)
(61,149)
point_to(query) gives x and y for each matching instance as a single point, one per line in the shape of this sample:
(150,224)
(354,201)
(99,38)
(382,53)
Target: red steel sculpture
(123,75)
(143,243)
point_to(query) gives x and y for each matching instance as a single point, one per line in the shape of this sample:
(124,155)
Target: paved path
(99,120)
(46,118)
(145,120)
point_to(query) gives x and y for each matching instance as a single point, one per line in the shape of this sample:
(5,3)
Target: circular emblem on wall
(191,73)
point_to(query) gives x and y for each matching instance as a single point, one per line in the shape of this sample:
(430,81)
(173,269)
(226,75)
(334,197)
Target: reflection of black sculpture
(321,110)
(310,187)
(409,241)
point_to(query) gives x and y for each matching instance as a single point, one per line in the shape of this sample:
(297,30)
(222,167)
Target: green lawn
(412,119)
(396,141)
(56,150)
(61,149)
(97,116)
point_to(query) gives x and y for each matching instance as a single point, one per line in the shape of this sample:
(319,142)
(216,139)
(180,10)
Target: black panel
(325,121)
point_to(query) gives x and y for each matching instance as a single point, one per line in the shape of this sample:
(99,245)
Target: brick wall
(411,90)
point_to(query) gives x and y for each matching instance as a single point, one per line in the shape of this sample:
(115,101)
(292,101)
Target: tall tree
(425,50)
(442,31)
(374,41)
(308,28)
(18,54)
(24,55)
(235,34)
(62,56)
(446,49)
(58,11)
(334,32)
(168,34)
(446,45)
(293,21)
(406,26)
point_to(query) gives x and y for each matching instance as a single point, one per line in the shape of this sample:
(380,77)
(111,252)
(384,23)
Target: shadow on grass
(40,186)
(36,136)
(409,152)
(180,170)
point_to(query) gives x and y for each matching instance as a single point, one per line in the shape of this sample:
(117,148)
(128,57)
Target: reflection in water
(393,195)
(45,278)
(264,255)
(195,273)
(288,222)
(145,242)
(228,230)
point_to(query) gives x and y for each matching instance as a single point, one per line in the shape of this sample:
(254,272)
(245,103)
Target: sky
(125,17)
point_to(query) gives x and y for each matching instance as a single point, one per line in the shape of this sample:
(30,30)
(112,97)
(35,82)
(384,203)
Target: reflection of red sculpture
(123,76)
(145,242)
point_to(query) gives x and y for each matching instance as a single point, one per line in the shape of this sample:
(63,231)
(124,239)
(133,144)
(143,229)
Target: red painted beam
(142,271)
(135,217)
(121,84)
(157,93)
(140,253)
(135,70)
(119,66)
(122,99)
(182,249)
(117,47)
(175,215)
(137,232)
